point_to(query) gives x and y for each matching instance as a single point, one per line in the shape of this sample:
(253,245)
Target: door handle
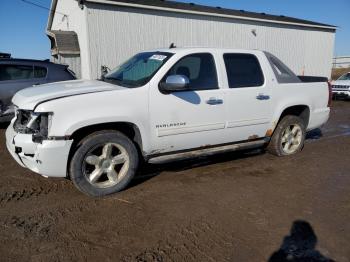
(263,97)
(215,101)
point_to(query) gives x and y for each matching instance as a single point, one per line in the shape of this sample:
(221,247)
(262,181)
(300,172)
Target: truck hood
(29,98)
(341,82)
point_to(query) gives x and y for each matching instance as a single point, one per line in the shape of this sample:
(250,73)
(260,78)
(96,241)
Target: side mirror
(175,83)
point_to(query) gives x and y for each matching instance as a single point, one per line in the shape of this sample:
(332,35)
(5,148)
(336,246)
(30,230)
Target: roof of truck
(176,50)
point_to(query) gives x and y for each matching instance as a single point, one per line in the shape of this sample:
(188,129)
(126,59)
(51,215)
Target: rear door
(248,97)
(193,118)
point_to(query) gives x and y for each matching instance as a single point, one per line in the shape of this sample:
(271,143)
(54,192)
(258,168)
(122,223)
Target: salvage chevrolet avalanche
(163,104)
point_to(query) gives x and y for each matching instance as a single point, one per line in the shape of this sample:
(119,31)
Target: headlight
(29,122)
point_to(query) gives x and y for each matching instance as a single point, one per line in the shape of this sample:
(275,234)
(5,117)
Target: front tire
(104,163)
(289,137)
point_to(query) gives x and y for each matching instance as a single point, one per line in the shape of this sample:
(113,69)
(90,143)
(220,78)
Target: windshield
(345,77)
(138,70)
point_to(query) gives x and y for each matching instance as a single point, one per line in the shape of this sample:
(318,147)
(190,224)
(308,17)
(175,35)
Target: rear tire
(289,137)
(104,163)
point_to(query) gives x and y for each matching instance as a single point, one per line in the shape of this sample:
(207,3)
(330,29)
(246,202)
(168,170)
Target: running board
(160,159)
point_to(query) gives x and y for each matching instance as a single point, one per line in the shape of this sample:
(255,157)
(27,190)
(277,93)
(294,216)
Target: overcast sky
(23,25)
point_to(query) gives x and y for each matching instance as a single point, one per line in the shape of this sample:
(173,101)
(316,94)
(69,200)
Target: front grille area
(341,87)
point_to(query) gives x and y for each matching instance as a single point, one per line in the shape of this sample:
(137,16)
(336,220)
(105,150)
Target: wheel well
(128,129)
(301,111)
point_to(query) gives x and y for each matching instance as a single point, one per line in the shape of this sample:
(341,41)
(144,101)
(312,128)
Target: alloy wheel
(292,138)
(106,165)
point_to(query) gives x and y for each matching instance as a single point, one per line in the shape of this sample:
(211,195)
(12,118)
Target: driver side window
(199,68)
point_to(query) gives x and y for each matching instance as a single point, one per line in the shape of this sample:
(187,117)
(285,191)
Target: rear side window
(199,68)
(282,72)
(40,72)
(243,70)
(278,68)
(16,72)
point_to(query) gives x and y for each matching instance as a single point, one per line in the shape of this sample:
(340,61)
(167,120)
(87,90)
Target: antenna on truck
(172,46)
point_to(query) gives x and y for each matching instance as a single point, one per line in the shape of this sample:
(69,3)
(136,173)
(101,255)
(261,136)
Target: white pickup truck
(159,104)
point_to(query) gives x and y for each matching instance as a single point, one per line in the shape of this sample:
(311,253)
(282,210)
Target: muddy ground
(247,206)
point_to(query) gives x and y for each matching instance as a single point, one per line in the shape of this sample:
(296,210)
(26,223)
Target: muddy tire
(104,163)
(289,137)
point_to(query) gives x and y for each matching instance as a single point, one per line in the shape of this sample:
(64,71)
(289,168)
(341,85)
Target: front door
(193,118)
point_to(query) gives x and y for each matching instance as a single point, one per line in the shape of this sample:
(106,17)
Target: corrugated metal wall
(73,61)
(116,33)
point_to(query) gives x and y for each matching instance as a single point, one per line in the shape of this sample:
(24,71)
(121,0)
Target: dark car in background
(17,74)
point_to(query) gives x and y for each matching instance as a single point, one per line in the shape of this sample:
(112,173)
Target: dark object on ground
(299,246)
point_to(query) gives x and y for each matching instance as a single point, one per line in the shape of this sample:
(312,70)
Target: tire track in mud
(39,227)
(43,226)
(29,193)
(195,242)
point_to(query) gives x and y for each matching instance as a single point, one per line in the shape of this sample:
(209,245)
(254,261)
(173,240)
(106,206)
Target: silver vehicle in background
(341,87)
(17,74)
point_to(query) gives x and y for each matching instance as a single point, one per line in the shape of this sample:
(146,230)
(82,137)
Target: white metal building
(341,62)
(88,34)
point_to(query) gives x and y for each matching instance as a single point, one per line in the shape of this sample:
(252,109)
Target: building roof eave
(178,7)
(64,42)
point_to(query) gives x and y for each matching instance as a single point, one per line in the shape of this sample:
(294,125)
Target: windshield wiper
(112,78)
(118,81)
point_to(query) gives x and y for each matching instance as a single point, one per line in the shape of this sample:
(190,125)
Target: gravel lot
(247,206)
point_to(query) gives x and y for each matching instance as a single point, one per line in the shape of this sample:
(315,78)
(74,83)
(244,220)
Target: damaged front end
(28,142)
(35,124)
